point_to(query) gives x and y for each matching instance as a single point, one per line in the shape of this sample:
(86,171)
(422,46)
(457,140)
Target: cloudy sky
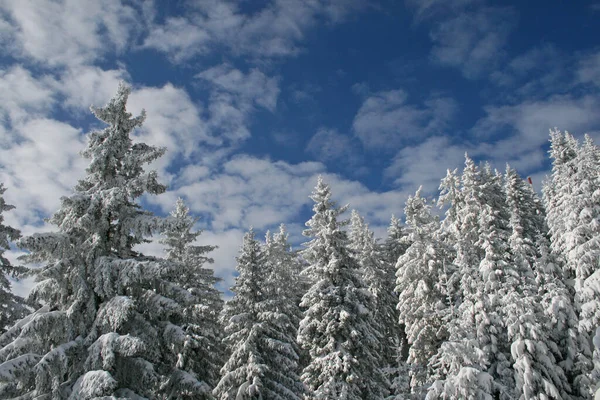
(255,98)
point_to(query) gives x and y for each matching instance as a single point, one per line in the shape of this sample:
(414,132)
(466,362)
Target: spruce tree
(396,242)
(197,351)
(284,315)
(537,375)
(422,297)
(379,277)
(12,307)
(263,357)
(464,364)
(572,216)
(338,329)
(108,311)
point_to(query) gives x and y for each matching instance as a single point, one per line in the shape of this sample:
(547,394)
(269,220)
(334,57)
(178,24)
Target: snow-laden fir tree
(379,276)
(108,311)
(338,328)
(283,306)
(12,307)
(263,359)
(499,277)
(422,296)
(583,251)
(462,363)
(198,350)
(572,203)
(561,318)
(396,242)
(284,278)
(537,374)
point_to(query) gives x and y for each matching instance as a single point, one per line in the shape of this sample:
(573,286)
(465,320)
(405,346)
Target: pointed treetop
(117,107)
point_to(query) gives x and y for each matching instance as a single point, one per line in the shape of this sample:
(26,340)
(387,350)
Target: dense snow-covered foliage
(110,315)
(497,300)
(572,198)
(12,307)
(422,297)
(259,327)
(338,329)
(378,275)
(198,355)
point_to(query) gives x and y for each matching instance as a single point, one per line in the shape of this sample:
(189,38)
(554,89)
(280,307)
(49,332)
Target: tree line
(498,299)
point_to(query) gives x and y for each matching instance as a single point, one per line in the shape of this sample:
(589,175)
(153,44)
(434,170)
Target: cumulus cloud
(251,88)
(67,32)
(386,119)
(39,166)
(473,41)
(275,30)
(588,70)
(426,163)
(429,9)
(23,96)
(234,96)
(330,146)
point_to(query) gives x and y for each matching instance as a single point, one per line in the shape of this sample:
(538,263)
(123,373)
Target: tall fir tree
(422,296)
(12,307)
(537,374)
(108,311)
(572,198)
(464,364)
(338,328)
(283,304)
(395,245)
(263,358)
(379,276)
(396,242)
(198,352)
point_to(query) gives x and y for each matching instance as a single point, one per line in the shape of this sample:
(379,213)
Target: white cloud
(428,9)
(329,146)
(235,96)
(275,30)
(179,38)
(251,88)
(22,96)
(425,164)
(39,166)
(83,86)
(173,120)
(385,120)
(473,41)
(588,70)
(68,32)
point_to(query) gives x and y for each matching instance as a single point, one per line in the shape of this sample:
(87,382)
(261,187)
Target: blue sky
(254,99)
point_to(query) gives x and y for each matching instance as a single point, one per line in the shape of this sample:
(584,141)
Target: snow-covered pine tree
(283,314)
(338,328)
(573,214)
(107,309)
(562,322)
(422,297)
(243,373)
(462,363)
(499,277)
(395,245)
(537,375)
(584,251)
(198,352)
(263,360)
(283,277)
(12,307)
(396,241)
(379,277)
